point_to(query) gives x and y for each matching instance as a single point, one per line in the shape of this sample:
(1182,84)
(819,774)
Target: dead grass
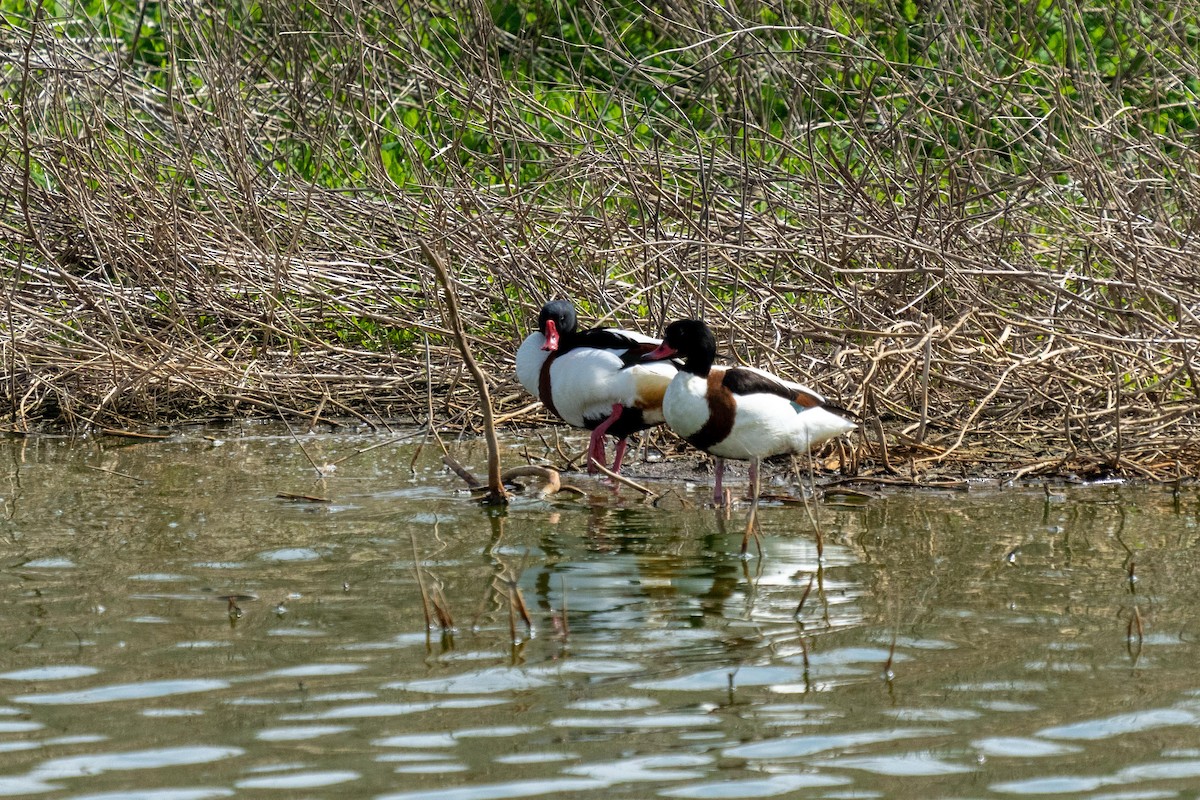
(233,229)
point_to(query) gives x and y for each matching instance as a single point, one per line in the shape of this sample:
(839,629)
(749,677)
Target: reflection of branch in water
(752,530)
(815,579)
(14,477)
(433,600)
(1135,629)
(812,485)
(504,583)
(561,622)
(800,606)
(889,676)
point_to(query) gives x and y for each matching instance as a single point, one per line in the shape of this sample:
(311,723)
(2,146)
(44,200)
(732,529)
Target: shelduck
(594,378)
(739,412)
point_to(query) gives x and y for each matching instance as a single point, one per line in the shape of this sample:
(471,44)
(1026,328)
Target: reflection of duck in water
(739,412)
(629,574)
(593,378)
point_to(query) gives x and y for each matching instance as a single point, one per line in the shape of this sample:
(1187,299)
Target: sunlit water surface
(190,635)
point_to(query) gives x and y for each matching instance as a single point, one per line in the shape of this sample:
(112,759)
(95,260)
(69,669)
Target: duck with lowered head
(594,378)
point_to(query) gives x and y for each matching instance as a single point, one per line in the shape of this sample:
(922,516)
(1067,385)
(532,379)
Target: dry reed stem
(496,494)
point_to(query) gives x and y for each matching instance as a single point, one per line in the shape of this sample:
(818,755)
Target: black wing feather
(604,339)
(747,381)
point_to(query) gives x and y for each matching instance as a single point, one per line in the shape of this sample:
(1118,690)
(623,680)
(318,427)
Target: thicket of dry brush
(974,228)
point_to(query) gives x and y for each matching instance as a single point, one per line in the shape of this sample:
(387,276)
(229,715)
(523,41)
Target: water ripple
(123,691)
(15,786)
(1052,785)
(653,722)
(797,746)
(299,780)
(721,679)
(94,764)
(613,704)
(486,681)
(364,710)
(646,768)
(60,672)
(932,714)
(159,794)
(417,740)
(1021,747)
(313,670)
(535,758)
(501,791)
(1160,771)
(754,787)
(903,765)
(1118,724)
(298,733)
(290,554)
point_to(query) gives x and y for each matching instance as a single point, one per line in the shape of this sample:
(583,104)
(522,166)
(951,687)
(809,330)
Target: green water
(991,643)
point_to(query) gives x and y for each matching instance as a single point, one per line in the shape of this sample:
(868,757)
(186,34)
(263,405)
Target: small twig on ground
(520,412)
(877,426)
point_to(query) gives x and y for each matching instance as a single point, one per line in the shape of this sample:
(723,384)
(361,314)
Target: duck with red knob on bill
(594,378)
(739,412)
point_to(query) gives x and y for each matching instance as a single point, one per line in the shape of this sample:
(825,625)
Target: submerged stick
(649,493)
(458,469)
(118,474)
(550,476)
(496,494)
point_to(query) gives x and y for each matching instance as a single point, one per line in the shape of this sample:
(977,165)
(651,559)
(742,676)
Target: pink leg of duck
(596,446)
(619,454)
(595,451)
(754,478)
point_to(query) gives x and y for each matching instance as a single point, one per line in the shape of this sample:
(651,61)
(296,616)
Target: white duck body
(759,424)
(587,381)
(530,358)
